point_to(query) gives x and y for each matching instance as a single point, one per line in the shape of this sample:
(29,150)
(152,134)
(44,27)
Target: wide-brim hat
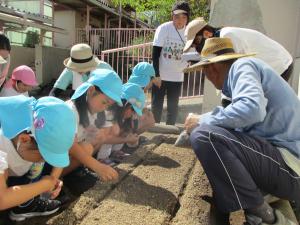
(216,50)
(81,59)
(107,81)
(191,30)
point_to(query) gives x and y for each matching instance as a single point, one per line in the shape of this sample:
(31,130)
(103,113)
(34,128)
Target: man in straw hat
(244,40)
(253,144)
(78,67)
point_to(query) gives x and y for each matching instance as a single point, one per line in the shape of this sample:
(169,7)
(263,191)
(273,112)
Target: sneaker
(119,155)
(183,140)
(108,162)
(281,219)
(252,220)
(36,207)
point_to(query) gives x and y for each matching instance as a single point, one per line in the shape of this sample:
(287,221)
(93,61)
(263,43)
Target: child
(22,80)
(33,131)
(78,67)
(133,99)
(142,75)
(101,90)
(4,58)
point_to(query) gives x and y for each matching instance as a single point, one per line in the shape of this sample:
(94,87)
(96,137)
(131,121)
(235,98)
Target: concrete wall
(49,62)
(236,13)
(278,19)
(66,20)
(21,56)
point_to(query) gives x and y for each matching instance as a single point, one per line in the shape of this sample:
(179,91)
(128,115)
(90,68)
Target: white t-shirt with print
(11,160)
(172,42)
(246,41)
(7,92)
(88,133)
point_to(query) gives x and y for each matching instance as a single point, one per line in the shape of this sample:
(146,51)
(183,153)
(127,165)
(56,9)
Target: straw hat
(82,59)
(191,30)
(216,50)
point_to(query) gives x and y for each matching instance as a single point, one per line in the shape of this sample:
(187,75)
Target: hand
(157,82)
(148,86)
(106,172)
(132,138)
(191,122)
(56,190)
(51,181)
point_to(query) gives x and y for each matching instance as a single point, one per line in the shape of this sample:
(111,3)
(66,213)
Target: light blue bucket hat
(107,80)
(141,74)
(50,120)
(134,94)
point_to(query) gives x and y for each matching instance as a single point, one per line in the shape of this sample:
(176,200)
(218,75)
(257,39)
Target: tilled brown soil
(159,184)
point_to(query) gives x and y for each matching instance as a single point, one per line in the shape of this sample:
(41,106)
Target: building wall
(47,66)
(21,56)
(278,19)
(65,19)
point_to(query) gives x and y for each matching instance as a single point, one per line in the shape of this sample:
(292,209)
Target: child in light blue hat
(33,131)
(101,91)
(127,117)
(142,74)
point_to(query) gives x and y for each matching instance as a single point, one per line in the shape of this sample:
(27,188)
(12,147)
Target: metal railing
(124,59)
(102,39)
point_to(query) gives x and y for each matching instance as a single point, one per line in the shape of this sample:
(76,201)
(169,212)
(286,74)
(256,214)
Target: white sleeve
(71,104)
(160,36)
(237,41)
(3,162)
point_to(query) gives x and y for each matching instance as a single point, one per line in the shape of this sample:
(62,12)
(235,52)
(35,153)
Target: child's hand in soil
(57,189)
(106,172)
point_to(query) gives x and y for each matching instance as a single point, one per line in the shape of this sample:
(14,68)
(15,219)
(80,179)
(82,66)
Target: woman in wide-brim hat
(78,67)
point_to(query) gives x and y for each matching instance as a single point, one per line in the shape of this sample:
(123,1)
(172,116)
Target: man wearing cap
(252,145)
(168,44)
(78,67)
(244,40)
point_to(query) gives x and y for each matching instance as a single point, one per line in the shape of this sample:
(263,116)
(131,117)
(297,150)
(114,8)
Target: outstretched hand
(191,122)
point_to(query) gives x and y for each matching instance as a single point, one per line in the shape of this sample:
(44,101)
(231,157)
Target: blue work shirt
(263,104)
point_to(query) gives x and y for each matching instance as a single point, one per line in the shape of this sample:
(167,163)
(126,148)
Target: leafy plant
(32,38)
(160,11)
